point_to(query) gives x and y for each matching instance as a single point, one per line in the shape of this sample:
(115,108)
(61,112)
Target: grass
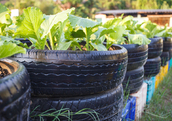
(160,107)
(64,112)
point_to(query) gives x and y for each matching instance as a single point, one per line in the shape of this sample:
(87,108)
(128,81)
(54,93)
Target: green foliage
(139,39)
(7,48)
(29,27)
(151,29)
(94,33)
(87,8)
(5,19)
(160,106)
(146,4)
(125,27)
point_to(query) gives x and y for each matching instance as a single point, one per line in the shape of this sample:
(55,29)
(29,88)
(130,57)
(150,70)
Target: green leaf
(4,15)
(75,43)
(78,34)
(8,39)
(99,47)
(83,22)
(139,39)
(111,23)
(4,40)
(58,35)
(54,19)
(64,45)
(127,20)
(10,49)
(30,26)
(106,31)
(118,34)
(161,33)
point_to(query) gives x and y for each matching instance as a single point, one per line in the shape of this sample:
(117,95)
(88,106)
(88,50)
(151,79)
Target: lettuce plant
(125,28)
(90,31)
(8,47)
(151,29)
(164,32)
(63,30)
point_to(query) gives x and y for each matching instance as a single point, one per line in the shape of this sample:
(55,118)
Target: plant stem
(51,41)
(1,32)
(87,39)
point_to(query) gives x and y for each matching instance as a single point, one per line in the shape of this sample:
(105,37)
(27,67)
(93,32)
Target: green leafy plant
(164,32)
(151,30)
(126,31)
(63,30)
(90,31)
(7,48)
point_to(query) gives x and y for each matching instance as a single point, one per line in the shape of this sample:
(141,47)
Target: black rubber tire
(164,58)
(137,55)
(109,105)
(14,92)
(74,73)
(170,53)
(133,80)
(155,48)
(167,44)
(152,67)
(24,41)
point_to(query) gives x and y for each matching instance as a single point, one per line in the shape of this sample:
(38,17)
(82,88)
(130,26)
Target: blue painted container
(153,86)
(150,87)
(169,65)
(170,62)
(125,112)
(132,108)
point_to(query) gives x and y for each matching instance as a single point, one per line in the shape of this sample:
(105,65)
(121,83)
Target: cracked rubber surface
(155,48)
(74,73)
(137,55)
(133,80)
(14,92)
(109,105)
(152,67)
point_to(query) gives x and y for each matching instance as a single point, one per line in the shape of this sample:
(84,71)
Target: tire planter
(164,58)
(14,92)
(133,80)
(167,44)
(155,48)
(108,104)
(137,55)
(74,73)
(170,53)
(152,67)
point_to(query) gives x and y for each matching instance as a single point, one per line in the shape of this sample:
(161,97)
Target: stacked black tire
(167,50)
(137,56)
(14,92)
(77,80)
(153,64)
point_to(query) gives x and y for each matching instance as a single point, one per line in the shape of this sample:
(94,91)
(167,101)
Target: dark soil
(3,72)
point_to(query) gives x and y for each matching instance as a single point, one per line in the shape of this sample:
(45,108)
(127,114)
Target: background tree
(87,8)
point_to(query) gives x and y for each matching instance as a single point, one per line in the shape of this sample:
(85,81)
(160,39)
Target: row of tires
(75,80)
(146,61)
(15,99)
(66,79)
